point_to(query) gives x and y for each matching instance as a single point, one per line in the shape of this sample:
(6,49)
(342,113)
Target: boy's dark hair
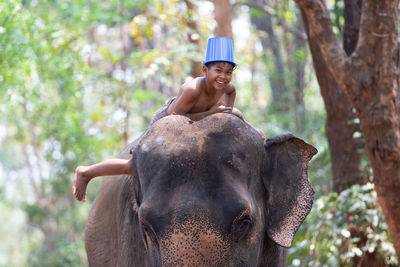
(210,64)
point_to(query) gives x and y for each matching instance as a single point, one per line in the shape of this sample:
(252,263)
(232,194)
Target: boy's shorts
(161,112)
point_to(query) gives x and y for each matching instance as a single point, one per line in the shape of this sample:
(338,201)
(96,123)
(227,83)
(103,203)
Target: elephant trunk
(195,241)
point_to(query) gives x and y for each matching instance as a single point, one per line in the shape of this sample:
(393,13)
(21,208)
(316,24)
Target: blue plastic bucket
(220,49)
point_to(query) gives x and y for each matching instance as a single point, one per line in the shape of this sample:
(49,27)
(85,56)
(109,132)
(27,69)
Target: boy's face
(218,74)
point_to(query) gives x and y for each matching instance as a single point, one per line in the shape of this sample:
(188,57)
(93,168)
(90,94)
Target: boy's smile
(218,75)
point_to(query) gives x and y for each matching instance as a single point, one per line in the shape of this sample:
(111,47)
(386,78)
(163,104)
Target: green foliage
(43,79)
(343,228)
(68,254)
(337,15)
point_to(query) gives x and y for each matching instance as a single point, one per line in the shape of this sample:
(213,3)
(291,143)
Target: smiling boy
(196,99)
(206,95)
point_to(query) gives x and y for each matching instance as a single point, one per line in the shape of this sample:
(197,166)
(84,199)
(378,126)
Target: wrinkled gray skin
(205,193)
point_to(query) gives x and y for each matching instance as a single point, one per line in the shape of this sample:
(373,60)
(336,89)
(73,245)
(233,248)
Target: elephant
(202,193)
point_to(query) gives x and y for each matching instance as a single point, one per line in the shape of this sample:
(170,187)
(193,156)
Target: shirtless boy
(196,99)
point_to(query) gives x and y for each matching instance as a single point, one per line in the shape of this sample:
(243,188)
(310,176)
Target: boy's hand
(222,108)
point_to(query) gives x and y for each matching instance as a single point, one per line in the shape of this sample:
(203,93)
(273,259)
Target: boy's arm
(199,115)
(184,103)
(229,101)
(230,96)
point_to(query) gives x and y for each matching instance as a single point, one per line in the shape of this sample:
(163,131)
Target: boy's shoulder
(231,86)
(193,86)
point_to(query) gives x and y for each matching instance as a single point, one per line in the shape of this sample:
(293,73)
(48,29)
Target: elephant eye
(145,235)
(242,227)
(149,237)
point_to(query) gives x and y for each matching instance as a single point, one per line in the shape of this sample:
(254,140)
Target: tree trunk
(370,80)
(343,149)
(223,17)
(340,125)
(277,77)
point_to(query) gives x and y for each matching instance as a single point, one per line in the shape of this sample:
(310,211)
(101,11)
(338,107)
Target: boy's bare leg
(83,174)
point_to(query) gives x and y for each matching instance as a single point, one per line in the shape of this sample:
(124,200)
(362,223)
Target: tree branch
(321,32)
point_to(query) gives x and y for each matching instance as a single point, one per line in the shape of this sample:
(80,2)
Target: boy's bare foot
(80,183)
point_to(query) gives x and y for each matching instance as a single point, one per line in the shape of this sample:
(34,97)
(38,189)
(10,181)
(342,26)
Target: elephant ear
(290,196)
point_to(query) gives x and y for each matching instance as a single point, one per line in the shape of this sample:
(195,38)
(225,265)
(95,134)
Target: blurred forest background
(79,80)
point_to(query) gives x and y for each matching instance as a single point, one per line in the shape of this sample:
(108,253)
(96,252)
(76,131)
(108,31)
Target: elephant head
(205,193)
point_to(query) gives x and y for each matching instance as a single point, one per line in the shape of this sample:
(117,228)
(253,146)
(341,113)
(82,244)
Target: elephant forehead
(165,143)
(195,241)
(178,135)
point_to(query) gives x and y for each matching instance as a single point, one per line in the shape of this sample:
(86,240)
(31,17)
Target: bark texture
(344,146)
(370,80)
